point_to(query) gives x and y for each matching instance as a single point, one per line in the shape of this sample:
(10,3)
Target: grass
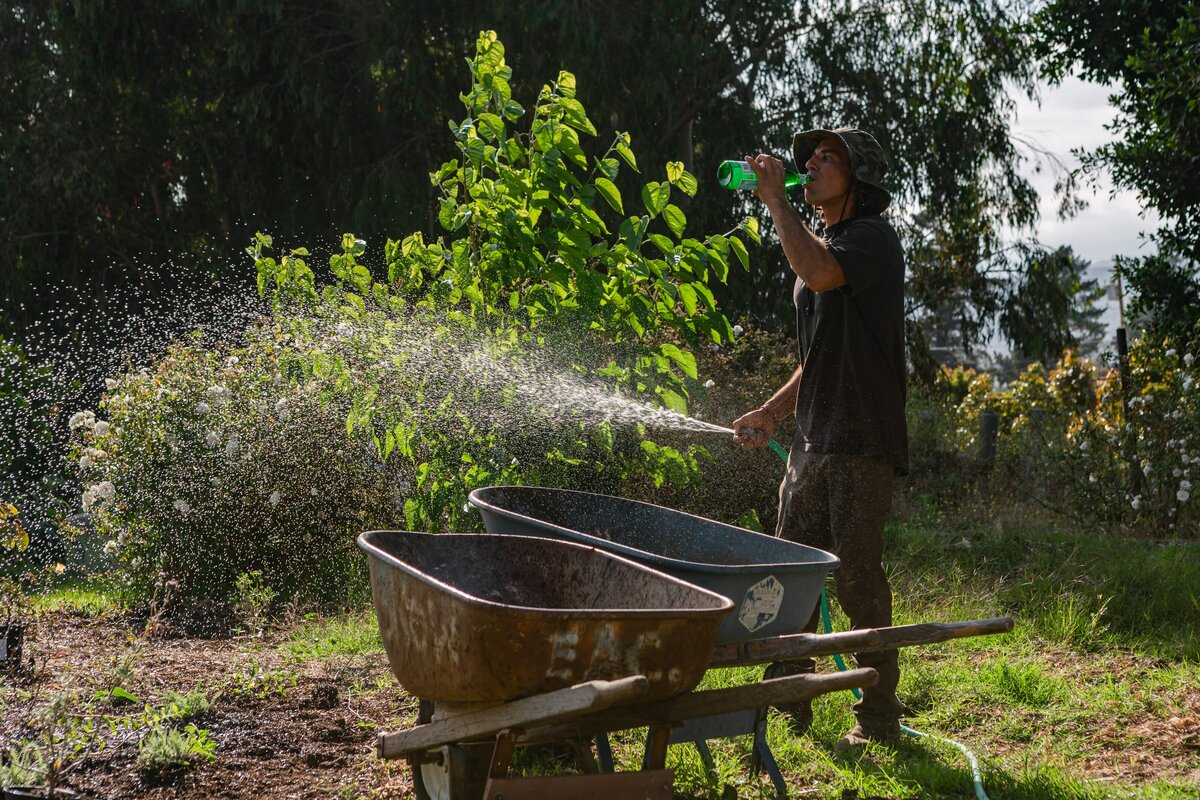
(347,635)
(1105,641)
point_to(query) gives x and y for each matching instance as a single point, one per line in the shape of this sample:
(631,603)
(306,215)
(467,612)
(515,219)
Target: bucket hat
(867,162)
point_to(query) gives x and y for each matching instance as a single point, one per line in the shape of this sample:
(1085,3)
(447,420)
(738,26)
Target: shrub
(1066,443)
(212,466)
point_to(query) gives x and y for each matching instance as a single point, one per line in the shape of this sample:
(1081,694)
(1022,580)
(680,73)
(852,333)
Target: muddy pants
(839,503)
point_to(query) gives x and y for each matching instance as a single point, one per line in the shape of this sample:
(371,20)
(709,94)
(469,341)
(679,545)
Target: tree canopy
(1148,53)
(134,133)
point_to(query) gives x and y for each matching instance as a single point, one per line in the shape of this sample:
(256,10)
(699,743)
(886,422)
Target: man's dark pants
(839,503)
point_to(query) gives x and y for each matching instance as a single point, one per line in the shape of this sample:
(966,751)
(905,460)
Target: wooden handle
(865,640)
(537,710)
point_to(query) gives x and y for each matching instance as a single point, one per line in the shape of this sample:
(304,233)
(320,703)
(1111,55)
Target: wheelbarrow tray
(775,584)
(475,618)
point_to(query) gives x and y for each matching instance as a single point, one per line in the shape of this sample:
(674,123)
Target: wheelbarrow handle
(865,640)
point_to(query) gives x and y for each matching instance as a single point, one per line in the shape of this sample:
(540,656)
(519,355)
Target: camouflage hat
(867,162)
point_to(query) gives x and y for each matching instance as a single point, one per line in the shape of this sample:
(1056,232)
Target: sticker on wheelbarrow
(762,603)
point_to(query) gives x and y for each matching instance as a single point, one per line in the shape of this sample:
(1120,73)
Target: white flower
(1146,469)
(85,461)
(110,547)
(135,562)
(1177,472)
(203,408)
(233,445)
(1171,353)
(1084,445)
(1187,382)
(213,439)
(274,498)
(1188,358)
(181,506)
(110,384)
(1091,478)
(98,493)
(738,330)
(232,361)
(345,329)
(313,491)
(95,454)
(219,394)
(101,428)
(81,419)
(1182,495)
(1186,485)
(123,538)
(281,408)
(710,383)
(1136,502)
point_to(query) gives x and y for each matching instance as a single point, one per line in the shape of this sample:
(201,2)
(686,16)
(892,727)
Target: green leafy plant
(540,249)
(252,601)
(62,733)
(165,751)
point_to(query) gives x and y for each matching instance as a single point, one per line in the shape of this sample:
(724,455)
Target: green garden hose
(827,623)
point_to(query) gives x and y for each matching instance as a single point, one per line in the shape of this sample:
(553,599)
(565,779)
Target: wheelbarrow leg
(604,753)
(761,757)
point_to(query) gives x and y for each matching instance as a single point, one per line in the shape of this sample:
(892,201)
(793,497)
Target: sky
(1073,115)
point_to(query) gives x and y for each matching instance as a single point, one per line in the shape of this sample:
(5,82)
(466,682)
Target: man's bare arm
(807,254)
(753,430)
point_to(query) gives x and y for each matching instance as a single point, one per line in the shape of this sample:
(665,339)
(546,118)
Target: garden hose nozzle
(775,446)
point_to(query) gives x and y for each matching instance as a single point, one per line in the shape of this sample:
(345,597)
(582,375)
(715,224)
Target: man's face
(829,167)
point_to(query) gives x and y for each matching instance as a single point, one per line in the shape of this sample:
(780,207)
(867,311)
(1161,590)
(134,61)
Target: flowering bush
(210,466)
(1066,442)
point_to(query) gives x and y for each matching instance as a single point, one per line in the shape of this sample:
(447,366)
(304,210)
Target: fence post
(989,430)
(1128,437)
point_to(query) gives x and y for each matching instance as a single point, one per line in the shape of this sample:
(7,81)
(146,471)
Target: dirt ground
(306,730)
(311,735)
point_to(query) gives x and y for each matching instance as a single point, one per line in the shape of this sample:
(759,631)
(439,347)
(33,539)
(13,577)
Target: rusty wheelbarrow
(465,619)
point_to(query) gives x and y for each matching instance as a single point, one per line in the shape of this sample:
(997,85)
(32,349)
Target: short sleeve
(861,251)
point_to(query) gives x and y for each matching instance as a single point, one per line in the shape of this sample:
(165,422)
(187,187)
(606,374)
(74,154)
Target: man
(848,392)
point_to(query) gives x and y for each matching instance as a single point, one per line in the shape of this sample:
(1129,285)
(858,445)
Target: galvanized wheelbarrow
(494,584)
(774,583)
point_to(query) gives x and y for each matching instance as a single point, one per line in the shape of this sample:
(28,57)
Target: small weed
(22,765)
(252,602)
(178,707)
(166,750)
(1023,684)
(252,681)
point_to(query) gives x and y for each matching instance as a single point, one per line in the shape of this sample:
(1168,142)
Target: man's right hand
(753,431)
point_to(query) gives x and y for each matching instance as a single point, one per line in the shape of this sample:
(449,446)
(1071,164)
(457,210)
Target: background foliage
(134,134)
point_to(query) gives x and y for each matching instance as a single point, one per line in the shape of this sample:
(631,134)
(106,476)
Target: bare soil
(311,734)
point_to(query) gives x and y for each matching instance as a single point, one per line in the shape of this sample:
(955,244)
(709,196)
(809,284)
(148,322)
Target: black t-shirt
(851,343)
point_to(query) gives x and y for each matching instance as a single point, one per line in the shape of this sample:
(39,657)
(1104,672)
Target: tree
(134,133)
(1148,50)
(1050,307)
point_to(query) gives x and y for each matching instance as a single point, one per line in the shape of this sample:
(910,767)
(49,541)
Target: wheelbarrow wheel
(460,773)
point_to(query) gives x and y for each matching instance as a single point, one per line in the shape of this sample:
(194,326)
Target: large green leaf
(655,196)
(685,360)
(675,218)
(608,190)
